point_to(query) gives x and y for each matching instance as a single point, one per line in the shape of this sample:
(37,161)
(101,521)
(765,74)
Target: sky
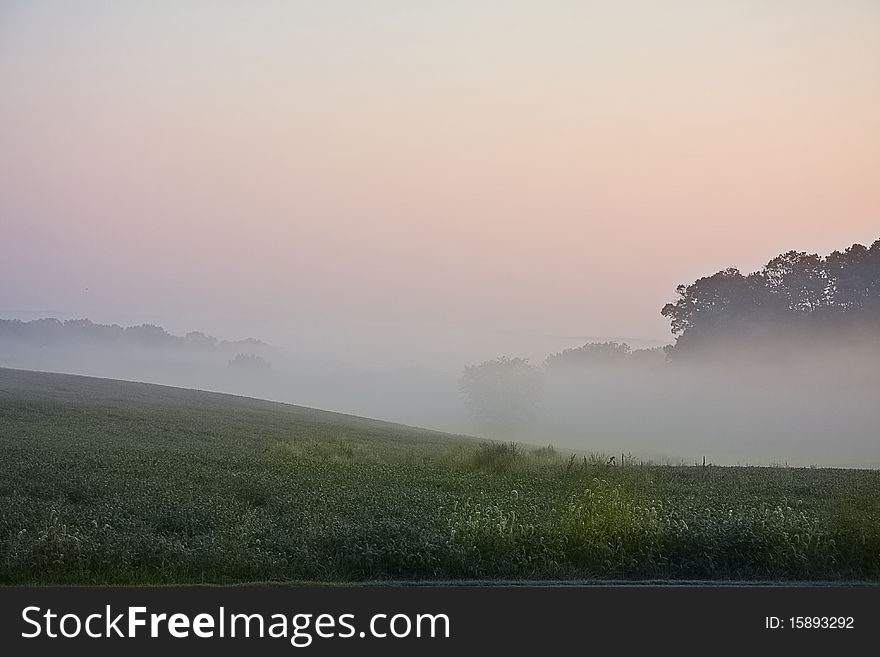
(435,179)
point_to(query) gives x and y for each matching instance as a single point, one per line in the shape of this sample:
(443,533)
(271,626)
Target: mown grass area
(111,482)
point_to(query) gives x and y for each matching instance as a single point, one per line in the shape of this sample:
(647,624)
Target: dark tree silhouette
(854,277)
(797,281)
(794,290)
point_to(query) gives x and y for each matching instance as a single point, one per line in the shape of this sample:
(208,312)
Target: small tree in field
(502,395)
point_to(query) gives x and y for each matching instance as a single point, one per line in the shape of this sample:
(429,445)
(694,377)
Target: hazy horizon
(390,191)
(394,175)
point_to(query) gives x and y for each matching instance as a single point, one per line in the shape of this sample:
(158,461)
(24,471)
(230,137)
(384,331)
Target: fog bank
(797,402)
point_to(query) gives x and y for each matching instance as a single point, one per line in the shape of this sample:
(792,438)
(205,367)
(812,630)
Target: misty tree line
(249,362)
(795,291)
(50,331)
(796,294)
(502,394)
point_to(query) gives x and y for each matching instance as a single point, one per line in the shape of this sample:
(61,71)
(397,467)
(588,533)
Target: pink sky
(438,169)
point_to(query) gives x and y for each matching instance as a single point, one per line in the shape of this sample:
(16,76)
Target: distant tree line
(603,355)
(833,299)
(50,331)
(795,294)
(503,395)
(249,363)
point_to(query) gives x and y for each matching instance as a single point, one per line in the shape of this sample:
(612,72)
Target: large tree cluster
(809,293)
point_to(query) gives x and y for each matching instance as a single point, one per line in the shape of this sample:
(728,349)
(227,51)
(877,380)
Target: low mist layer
(781,366)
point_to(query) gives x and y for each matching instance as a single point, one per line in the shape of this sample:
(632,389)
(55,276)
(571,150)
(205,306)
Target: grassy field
(111,482)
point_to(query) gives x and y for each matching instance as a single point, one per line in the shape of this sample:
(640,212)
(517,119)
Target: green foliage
(496,457)
(107,482)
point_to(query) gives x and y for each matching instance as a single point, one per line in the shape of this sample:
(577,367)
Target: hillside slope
(115,482)
(193,412)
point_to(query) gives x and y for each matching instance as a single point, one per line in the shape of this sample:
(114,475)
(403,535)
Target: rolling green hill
(106,481)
